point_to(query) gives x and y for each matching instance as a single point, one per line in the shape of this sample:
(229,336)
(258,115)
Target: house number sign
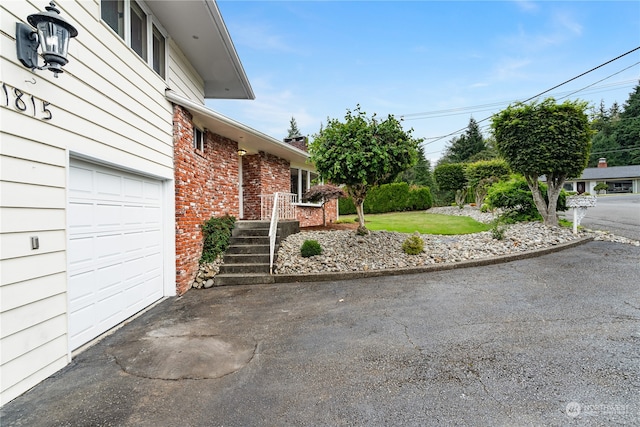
(17,99)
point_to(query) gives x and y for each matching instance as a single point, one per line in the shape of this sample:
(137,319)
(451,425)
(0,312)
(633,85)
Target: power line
(617,151)
(608,77)
(541,93)
(486,107)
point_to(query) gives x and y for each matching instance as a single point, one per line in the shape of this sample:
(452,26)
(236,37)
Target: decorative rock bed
(345,251)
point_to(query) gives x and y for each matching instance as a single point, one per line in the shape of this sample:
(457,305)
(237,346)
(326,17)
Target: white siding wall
(108,106)
(183,79)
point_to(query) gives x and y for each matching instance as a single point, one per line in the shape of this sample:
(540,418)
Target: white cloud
(527,5)
(563,21)
(261,37)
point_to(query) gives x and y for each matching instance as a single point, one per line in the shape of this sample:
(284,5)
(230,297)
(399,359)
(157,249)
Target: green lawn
(422,222)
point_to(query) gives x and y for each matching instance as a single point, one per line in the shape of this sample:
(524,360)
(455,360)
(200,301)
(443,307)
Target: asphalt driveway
(553,340)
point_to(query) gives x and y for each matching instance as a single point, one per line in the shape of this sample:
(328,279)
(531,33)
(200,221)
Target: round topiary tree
(547,139)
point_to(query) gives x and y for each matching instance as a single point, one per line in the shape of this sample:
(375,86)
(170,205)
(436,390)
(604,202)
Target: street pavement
(618,214)
(552,340)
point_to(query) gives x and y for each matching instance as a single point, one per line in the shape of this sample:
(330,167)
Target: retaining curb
(349,275)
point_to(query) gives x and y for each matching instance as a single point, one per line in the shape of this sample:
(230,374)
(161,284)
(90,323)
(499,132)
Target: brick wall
(206,185)
(310,215)
(262,173)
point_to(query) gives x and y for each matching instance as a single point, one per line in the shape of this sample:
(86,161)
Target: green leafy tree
(450,179)
(547,139)
(362,152)
(482,174)
(450,176)
(293,129)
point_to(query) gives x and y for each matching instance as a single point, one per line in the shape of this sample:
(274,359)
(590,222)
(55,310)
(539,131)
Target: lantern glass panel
(54,39)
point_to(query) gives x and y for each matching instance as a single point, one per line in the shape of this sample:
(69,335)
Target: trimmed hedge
(395,197)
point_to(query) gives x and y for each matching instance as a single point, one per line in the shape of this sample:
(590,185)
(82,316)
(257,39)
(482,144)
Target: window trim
(198,145)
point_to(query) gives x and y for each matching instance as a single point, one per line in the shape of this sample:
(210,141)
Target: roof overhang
(248,139)
(197,28)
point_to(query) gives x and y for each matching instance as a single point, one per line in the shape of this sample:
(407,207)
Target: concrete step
(242,279)
(246,258)
(254,232)
(249,224)
(249,240)
(248,250)
(251,268)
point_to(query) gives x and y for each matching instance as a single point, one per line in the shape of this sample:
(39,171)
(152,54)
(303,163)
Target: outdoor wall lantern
(52,34)
(242,152)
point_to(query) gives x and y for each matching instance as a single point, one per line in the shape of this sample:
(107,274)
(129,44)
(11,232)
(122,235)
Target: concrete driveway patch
(164,357)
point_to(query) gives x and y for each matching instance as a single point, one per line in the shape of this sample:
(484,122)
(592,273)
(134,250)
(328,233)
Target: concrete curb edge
(349,275)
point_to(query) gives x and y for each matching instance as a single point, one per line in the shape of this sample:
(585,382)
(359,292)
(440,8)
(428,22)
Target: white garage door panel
(115,248)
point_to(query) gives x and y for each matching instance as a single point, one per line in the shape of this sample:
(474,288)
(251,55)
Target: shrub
(387,198)
(601,186)
(346,206)
(516,200)
(461,197)
(497,169)
(413,245)
(419,199)
(310,248)
(450,176)
(497,229)
(395,197)
(216,232)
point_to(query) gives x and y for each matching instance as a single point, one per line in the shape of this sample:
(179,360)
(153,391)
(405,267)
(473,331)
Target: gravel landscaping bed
(345,251)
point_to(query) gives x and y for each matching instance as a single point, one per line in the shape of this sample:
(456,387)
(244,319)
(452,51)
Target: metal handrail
(273,231)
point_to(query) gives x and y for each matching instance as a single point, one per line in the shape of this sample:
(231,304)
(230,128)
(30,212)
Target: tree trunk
(554,187)
(358,194)
(362,229)
(548,212)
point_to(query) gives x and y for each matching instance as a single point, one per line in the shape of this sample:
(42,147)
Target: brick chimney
(298,142)
(602,162)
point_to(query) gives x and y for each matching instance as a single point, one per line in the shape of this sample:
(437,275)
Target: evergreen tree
(293,129)
(618,132)
(627,130)
(420,173)
(461,149)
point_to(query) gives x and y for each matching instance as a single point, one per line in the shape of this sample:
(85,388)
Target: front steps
(246,261)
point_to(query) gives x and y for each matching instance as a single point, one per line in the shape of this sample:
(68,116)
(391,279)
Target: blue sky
(434,63)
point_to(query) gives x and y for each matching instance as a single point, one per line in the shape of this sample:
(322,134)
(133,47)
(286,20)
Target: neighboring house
(619,179)
(107,172)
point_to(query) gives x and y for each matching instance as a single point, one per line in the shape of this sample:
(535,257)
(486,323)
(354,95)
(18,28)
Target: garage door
(115,248)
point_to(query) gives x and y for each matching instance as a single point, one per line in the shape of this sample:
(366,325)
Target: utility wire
(541,93)
(608,77)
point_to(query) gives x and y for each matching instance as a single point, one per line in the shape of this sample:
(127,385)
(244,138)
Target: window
(138,28)
(198,139)
(158,51)
(302,180)
(113,15)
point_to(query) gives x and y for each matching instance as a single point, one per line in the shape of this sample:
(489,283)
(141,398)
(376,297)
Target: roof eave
(248,139)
